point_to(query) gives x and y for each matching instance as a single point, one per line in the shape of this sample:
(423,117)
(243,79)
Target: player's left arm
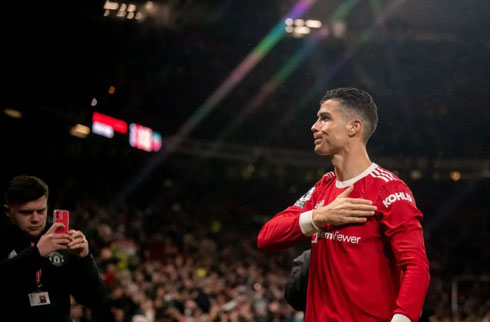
(401,221)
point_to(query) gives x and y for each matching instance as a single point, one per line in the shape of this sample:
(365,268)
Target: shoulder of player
(387,185)
(328,177)
(386,182)
(319,186)
(384,178)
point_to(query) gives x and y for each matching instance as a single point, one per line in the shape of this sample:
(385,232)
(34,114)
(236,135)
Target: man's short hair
(24,188)
(358,102)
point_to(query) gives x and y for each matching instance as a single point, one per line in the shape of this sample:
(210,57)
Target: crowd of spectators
(163,264)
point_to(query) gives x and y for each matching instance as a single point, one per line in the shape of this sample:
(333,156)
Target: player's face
(30,217)
(330,129)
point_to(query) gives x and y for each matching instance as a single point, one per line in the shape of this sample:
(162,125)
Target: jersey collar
(346,183)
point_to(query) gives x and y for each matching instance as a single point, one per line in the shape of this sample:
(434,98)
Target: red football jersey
(359,272)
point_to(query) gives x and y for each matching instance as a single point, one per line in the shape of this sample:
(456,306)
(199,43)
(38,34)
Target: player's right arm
(299,221)
(289,226)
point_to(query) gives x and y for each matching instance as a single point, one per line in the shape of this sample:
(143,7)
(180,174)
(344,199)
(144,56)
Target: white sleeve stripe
(329,174)
(306,223)
(382,174)
(389,174)
(376,176)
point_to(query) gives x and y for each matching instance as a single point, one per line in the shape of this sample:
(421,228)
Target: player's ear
(354,127)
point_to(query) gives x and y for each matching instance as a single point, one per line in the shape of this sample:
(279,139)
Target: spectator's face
(30,217)
(119,315)
(330,131)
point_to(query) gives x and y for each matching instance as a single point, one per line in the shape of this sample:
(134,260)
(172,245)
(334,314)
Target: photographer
(40,269)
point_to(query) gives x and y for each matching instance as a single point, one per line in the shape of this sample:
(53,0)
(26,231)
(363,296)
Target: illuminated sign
(140,137)
(144,138)
(102,129)
(108,121)
(157,141)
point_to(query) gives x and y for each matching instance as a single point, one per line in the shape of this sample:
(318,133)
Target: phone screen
(62,216)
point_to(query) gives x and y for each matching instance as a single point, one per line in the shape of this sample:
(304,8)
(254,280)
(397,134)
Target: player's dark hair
(359,102)
(23,189)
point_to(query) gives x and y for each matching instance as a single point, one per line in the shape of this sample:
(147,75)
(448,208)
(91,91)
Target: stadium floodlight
(12,113)
(313,23)
(302,30)
(111,5)
(80,131)
(301,27)
(299,22)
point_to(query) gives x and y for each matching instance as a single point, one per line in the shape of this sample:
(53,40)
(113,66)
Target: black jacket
(63,273)
(297,283)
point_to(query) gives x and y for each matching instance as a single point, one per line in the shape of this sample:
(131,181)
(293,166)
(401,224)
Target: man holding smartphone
(39,268)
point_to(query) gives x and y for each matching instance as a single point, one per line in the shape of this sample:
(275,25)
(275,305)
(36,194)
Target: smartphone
(62,216)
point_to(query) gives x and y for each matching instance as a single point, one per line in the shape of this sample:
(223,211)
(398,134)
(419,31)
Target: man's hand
(344,210)
(78,243)
(50,241)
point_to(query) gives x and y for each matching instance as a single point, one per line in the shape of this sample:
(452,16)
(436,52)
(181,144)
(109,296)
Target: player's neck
(351,162)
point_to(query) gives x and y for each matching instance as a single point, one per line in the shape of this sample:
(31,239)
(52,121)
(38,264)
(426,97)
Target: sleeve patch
(302,201)
(396,197)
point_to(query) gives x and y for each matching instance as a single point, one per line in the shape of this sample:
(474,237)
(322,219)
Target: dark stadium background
(426,63)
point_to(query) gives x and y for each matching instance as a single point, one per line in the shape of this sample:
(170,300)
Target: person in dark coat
(297,283)
(39,268)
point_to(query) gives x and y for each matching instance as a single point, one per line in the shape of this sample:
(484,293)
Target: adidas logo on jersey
(396,197)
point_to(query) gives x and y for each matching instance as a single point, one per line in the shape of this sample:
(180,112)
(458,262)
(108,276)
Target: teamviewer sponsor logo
(339,237)
(396,197)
